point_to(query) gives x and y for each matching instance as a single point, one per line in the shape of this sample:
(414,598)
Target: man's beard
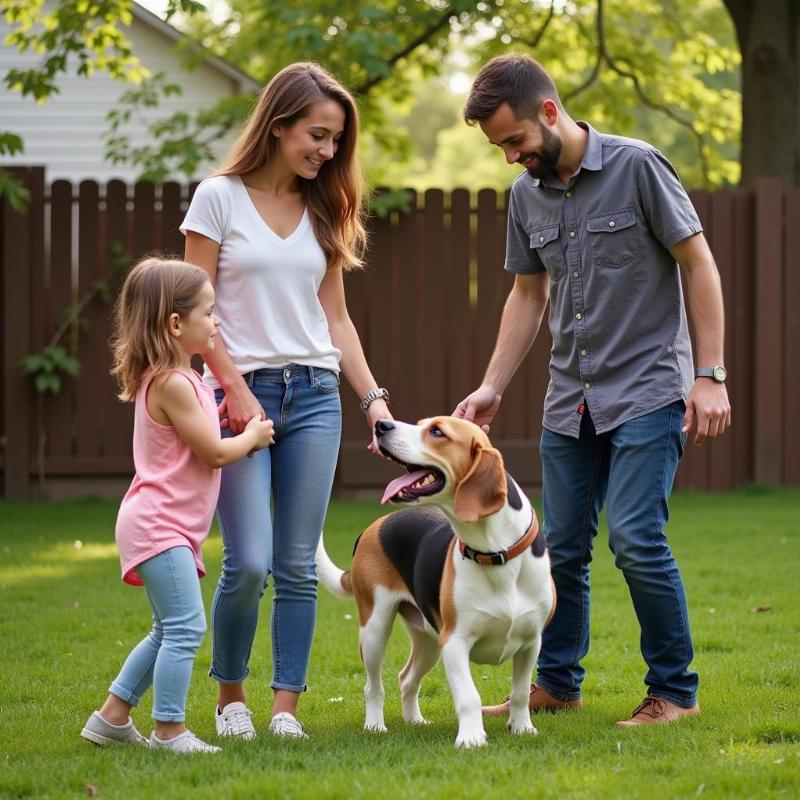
(547,155)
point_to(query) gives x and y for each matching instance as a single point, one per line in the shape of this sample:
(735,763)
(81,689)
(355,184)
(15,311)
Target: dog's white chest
(504,617)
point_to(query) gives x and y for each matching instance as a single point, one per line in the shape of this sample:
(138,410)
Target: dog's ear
(482,491)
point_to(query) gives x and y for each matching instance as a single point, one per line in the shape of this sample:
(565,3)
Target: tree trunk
(769,40)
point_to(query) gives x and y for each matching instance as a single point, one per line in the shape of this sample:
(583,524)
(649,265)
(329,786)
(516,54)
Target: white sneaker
(235,720)
(98,731)
(185,742)
(284,724)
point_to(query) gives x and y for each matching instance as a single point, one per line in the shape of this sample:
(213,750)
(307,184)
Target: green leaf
(13,191)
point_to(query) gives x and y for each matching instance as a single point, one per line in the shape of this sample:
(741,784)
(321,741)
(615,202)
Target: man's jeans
(271,509)
(631,469)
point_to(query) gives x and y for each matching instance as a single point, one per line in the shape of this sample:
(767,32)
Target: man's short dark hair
(516,79)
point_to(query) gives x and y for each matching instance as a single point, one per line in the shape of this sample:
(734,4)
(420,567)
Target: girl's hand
(378,409)
(238,407)
(264,431)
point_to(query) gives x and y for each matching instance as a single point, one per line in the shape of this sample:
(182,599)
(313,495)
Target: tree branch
(408,49)
(603,55)
(594,75)
(538,38)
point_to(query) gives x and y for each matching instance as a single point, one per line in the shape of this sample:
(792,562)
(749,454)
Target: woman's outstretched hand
(378,409)
(238,407)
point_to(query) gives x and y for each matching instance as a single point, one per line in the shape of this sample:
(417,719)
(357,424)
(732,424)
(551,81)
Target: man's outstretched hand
(480,407)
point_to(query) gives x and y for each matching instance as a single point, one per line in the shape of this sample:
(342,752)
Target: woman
(275,229)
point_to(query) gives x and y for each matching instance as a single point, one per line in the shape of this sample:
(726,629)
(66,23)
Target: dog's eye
(436,431)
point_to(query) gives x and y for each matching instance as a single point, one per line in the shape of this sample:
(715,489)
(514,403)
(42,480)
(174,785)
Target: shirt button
(569,194)
(579,316)
(576,274)
(587,385)
(611,224)
(572,234)
(583,352)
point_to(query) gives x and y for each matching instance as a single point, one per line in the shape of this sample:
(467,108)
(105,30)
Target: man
(596,225)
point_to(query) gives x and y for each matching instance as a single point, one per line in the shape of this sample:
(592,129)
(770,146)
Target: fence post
(21,253)
(768,329)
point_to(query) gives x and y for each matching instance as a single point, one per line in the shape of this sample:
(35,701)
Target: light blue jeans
(165,657)
(271,510)
(631,469)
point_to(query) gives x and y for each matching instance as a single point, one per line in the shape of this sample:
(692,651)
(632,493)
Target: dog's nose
(383,426)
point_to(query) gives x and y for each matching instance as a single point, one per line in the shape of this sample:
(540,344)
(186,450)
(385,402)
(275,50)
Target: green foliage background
(666,71)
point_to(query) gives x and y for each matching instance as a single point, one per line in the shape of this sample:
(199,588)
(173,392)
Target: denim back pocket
(614,238)
(546,243)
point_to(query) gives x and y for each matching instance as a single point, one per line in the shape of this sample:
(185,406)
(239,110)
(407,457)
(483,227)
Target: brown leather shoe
(657,711)
(540,700)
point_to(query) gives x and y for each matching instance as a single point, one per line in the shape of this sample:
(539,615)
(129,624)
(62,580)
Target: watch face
(720,373)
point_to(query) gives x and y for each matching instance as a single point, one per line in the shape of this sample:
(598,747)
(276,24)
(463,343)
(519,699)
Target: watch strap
(373,394)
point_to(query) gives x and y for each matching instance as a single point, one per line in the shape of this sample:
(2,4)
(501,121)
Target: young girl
(275,230)
(164,316)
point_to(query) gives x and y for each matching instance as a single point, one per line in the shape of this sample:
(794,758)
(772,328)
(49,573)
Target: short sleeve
(207,212)
(666,206)
(520,258)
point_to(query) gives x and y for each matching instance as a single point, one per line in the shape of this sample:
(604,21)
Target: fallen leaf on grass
(760,609)
(91,790)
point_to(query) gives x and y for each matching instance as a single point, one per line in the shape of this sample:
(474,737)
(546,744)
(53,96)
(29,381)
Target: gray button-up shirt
(617,318)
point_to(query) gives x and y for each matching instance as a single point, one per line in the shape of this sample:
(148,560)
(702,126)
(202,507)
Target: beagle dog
(463,566)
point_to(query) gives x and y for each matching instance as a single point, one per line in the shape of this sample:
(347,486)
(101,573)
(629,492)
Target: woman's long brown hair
(142,345)
(335,197)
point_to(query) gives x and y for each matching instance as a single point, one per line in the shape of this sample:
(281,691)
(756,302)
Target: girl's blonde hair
(143,347)
(335,197)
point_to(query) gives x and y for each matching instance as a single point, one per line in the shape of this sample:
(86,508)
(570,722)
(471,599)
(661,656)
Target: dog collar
(502,556)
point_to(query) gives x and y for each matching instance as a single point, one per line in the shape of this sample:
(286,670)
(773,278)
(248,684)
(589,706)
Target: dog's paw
(521,730)
(472,739)
(375,727)
(418,721)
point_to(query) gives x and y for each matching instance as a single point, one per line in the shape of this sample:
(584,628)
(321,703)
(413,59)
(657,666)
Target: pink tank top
(171,500)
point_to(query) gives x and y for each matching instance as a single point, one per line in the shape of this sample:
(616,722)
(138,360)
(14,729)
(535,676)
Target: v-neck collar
(283,242)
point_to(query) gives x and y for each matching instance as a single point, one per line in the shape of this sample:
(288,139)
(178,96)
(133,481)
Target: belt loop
(311,379)
(249,378)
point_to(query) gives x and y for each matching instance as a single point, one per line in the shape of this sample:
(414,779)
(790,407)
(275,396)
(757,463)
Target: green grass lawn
(67,622)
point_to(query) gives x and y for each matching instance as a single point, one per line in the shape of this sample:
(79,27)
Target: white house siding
(66,133)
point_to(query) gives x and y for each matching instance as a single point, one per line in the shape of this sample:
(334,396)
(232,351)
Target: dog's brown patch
(447,606)
(553,607)
(371,568)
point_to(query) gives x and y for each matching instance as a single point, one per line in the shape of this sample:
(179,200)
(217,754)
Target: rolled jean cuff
(168,717)
(124,694)
(288,687)
(683,702)
(220,679)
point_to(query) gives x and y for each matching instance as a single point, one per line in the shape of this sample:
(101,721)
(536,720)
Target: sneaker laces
(237,721)
(284,724)
(652,706)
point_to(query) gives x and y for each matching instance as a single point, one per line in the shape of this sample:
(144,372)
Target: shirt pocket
(614,238)
(545,242)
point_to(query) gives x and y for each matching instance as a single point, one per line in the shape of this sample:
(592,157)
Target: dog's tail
(335,580)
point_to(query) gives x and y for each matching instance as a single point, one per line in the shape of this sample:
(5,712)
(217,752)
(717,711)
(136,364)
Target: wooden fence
(427,309)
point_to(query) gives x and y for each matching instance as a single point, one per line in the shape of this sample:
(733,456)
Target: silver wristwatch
(373,394)
(717,373)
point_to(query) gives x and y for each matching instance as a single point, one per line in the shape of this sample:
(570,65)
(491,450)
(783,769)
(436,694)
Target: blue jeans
(165,657)
(631,469)
(271,510)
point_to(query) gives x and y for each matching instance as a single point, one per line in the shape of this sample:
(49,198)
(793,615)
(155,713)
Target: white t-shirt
(266,287)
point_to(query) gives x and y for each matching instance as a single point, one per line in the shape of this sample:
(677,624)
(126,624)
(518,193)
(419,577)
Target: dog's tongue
(400,483)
